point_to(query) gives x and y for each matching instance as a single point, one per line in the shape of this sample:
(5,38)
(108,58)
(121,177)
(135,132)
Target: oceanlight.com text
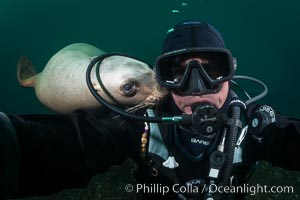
(251,189)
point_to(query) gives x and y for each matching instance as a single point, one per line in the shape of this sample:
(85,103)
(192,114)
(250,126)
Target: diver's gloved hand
(9,158)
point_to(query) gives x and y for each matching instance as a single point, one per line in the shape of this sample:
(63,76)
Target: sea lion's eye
(128,89)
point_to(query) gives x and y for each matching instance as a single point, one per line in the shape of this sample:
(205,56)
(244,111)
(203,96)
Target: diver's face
(184,103)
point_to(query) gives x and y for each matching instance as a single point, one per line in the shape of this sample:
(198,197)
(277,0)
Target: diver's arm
(9,158)
(107,138)
(278,143)
(65,151)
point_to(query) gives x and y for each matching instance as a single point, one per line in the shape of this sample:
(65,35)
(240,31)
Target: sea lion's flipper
(26,72)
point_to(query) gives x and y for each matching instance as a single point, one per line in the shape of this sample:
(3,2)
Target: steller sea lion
(61,86)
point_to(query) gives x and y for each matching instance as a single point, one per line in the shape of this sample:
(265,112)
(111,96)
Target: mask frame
(161,67)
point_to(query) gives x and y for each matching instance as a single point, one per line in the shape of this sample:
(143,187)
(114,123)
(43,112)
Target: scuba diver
(201,135)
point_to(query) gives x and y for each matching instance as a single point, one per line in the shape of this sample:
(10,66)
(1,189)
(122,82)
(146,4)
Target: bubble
(170,30)
(184,4)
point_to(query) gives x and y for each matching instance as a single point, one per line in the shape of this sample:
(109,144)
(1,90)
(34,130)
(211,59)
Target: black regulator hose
(233,130)
(104,102)
(234,125)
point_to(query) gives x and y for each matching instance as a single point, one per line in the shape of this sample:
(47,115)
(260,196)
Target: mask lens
(171,71)
(217,66)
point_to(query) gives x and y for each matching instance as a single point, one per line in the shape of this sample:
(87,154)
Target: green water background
(263,35)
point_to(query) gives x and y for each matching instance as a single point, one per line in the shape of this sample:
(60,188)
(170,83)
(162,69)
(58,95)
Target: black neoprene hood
(192,34)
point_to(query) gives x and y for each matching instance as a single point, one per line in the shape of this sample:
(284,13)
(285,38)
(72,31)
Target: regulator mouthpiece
(206,119)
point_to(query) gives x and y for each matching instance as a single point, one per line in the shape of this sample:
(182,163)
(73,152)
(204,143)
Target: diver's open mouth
(187,108)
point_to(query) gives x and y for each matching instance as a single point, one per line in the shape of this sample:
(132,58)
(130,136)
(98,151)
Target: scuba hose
(104,102)
(256,98)
(222,157)
(234,125)
(118,110)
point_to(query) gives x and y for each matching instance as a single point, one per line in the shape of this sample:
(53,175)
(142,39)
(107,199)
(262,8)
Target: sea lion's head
(129,82)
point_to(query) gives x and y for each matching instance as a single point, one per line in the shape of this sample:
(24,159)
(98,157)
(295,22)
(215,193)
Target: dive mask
(195,71)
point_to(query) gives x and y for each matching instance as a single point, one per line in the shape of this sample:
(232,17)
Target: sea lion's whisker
(137,107)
